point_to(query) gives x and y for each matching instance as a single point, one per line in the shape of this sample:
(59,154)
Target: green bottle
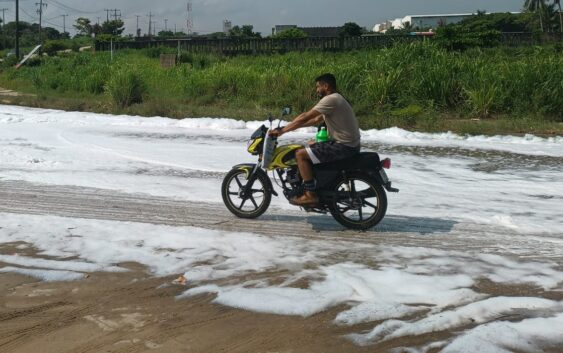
(322,135)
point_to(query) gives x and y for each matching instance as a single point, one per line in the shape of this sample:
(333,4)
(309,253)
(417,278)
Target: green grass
(416,86)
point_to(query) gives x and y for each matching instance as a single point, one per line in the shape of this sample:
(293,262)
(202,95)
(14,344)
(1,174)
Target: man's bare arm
(309,118)
(314,122)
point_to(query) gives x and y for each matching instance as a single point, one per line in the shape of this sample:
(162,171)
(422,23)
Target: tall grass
(476,83)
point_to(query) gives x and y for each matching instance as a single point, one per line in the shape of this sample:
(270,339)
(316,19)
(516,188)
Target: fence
(230,46)
(233,46)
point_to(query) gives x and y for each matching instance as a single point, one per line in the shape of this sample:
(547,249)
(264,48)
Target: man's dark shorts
(324,152)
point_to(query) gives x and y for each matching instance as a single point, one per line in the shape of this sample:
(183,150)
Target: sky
(262,14)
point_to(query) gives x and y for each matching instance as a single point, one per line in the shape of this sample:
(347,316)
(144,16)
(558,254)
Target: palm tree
(558,3)
(535,5)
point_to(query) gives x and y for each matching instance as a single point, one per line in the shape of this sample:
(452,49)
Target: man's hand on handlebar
(276,132)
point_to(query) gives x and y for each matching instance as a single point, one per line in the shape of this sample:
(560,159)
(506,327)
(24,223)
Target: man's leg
(305,165)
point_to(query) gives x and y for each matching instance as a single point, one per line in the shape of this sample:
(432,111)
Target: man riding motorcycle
(343,129)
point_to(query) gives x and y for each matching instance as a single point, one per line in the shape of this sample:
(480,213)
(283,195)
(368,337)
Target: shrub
(10,61)
(126,87)
(155,52)
(53,46)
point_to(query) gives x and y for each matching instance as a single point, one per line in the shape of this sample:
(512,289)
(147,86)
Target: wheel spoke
(361,214)
(257,190)
(238,182)
(253,201)
(233,193)
(370,204)
(242,204)
(352,188)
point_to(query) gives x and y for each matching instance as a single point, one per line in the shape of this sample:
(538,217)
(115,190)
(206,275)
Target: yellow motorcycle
(352,190)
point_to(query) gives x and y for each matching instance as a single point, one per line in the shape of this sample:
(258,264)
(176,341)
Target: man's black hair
(329,79)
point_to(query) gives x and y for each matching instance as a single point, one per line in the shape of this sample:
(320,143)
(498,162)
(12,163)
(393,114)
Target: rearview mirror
(286,111)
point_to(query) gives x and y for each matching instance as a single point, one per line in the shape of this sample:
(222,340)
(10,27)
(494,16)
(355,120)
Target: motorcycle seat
(360,161)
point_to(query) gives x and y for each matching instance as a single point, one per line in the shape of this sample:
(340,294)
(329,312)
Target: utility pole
(166,24)
(107,14)
(3,16)
(150,23)
(137,31)
(64,23)
(3,23)
(18,29)
(115,14)
(40,12)
(98,20)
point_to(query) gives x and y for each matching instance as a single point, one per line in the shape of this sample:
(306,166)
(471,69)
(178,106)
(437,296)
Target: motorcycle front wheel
(250,204)
(360,203)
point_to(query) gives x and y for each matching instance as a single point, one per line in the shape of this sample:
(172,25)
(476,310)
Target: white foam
(529,335)
(44,275)
(76,266)
(474,313)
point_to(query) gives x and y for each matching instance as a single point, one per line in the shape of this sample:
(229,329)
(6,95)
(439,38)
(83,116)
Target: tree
(351,29)
(97,29)
(51,33)
(216,35)
(291,33)
(83,26)
(113,27)
(558,3)
(166,34)
(246,31)
(504,22)
(536,6)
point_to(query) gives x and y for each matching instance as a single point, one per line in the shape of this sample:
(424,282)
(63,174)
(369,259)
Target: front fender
(249,167)
(246,167)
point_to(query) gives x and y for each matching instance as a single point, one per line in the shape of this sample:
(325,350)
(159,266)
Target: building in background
(227,26)
(382,27)
(421,22)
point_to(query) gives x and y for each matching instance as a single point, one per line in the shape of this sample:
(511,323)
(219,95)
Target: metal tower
(190,21)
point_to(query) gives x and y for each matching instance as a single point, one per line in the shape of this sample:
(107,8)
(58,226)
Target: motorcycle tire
(350,206)
(235,203)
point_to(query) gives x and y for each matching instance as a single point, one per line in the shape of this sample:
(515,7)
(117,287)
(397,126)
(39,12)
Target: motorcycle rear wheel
(252,205)
(361,203)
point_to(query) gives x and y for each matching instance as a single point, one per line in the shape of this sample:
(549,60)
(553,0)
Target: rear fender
(249,168)
(381,177)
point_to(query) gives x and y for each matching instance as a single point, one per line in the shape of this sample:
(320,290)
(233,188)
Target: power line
(28,15)
(54,24)
(72,9)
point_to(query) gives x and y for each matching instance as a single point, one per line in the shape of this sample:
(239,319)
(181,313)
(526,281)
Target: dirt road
(136,312)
